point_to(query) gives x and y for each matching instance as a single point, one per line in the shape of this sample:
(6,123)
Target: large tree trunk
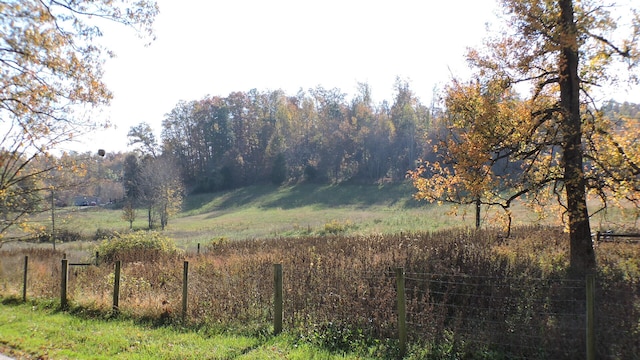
(582,257)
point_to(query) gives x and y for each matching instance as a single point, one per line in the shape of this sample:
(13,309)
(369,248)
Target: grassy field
(268,211)
(337,245)
(308,210)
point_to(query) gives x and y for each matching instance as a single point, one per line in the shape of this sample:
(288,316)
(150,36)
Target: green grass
(255,212)
(303,210)
(28,331)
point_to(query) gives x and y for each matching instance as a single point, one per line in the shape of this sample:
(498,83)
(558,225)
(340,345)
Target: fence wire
(519,318)
(510,317)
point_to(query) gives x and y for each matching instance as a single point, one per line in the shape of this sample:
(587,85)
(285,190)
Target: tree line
(317,135)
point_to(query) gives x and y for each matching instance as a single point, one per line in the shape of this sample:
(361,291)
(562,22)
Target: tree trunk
(582,257)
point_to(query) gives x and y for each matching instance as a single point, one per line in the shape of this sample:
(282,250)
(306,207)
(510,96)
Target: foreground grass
(339,295)
(33,332)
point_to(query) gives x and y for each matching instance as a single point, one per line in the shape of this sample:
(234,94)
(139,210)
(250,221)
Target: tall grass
(338,247)
(340,291)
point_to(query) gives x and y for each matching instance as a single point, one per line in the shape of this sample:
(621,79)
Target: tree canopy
(50,79)
(318,135)
(563,144)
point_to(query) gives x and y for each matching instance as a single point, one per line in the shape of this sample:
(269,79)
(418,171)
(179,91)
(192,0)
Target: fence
(611,236)
(513,317)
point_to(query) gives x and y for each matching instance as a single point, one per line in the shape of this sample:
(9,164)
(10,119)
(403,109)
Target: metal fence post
(63,284)
(24,282)
(277,299)
(116,288)
(185,284)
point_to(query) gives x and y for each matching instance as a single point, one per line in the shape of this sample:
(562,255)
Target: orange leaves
(51,71)
(487,125)
(49,63)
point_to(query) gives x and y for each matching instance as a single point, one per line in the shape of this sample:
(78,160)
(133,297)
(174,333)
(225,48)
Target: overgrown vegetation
(304,210)
(340,291)
(137,246)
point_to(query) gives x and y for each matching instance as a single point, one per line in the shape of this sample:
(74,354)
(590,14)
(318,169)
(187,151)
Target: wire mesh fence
(448,312)
(516,317)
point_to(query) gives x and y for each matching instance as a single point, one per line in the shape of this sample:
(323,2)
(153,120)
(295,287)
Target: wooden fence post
(185,283)
(277,299)
(24,282)
(198,248)
(402,311)
(116,288)
(97,258)
(63,284)
(591,335)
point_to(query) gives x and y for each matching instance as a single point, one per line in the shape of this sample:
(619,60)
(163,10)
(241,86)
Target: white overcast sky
(214,47)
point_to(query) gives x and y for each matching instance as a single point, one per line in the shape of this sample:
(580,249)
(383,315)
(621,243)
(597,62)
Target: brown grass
(471,292)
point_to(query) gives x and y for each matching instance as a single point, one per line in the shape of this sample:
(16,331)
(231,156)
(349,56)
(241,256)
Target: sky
(212,48)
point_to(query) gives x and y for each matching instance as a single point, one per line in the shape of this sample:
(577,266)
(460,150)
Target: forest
(321,136)
(249,138)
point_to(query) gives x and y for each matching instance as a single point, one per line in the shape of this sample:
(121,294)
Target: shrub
(335,227)
(65,235)
(102,234)
(62,235)
(216,244)
(137,246)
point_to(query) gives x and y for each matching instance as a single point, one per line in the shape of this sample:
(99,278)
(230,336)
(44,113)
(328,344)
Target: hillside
(269,211)
(302,210)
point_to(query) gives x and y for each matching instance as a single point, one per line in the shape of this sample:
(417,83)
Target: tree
(21,192)
(51,71)
(279,170)
(131,178)
(409,119)
(470,164)
(129,213)
(142,136)
(561,50)
(162,189)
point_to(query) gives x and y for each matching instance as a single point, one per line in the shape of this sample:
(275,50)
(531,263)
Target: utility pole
(478,203)
(53,219)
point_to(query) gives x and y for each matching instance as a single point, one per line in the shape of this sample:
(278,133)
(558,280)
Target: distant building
(86,200)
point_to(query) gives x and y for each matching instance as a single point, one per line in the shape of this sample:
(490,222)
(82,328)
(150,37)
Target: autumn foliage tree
(564,146)
(472,148)
(50,74)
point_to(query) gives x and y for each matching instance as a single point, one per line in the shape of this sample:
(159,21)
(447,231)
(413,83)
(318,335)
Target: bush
(62,235)
(335,227)
(102,234)
(137,246)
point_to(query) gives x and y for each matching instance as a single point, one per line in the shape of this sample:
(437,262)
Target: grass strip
(33,332)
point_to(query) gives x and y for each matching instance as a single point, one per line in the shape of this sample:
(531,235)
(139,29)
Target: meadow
(469,294)
(306,210)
